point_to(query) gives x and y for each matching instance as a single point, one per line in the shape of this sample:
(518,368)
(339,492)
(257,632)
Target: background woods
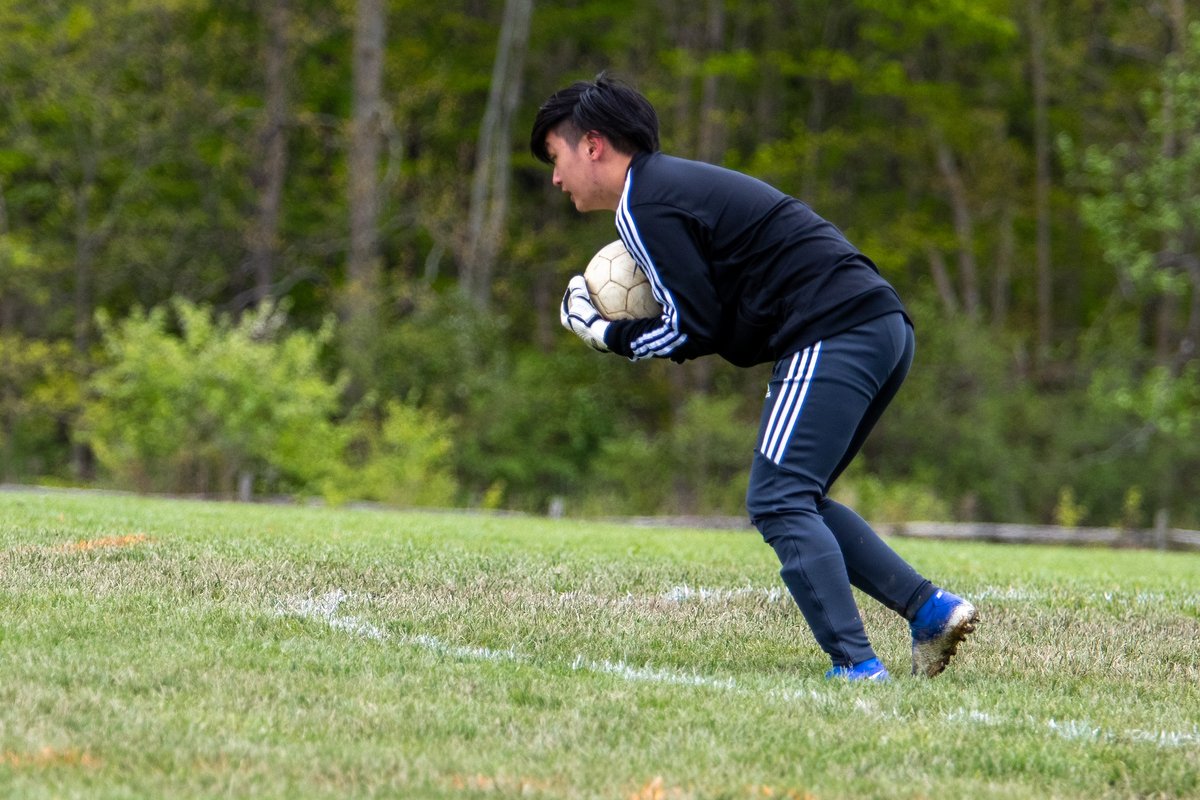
(300,247)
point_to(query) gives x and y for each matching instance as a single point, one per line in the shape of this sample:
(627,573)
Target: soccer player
(748,273)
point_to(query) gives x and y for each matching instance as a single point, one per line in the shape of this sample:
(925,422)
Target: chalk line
(325,608)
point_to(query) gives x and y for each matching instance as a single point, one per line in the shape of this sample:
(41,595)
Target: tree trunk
(365,143)
(817,109)
(964,229)
(1005,250)
(711,143)
(941,280)
(769,87)
(360,300)
(700,32)
(8,305)
(1041,197)
(263,235)
(685,37)
(85,256)
(710,147)
(1170,344)
(1189,348)
(490,183)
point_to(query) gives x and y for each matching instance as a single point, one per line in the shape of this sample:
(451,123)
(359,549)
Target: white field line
(703,594)
(325,609)
(680,594)
(648,674)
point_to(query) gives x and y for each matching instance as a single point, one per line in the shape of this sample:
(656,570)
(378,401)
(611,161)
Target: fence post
(1162,518)
(245,482)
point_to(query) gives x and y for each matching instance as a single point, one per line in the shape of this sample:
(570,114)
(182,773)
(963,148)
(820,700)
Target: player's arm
(667,243)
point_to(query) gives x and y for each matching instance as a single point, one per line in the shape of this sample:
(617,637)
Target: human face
(579,171)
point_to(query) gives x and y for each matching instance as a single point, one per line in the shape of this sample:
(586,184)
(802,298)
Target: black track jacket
(740,269)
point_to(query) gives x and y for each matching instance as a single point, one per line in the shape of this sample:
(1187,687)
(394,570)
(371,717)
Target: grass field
(171,649)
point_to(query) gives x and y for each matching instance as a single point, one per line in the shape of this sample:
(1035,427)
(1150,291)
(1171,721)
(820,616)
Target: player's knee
(766,504)
(795,524)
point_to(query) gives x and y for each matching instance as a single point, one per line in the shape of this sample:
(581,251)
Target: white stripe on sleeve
(664,338)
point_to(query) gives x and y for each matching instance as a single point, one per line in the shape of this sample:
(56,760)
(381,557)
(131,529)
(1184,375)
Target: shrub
(38,392)
(403,459)
(194,411)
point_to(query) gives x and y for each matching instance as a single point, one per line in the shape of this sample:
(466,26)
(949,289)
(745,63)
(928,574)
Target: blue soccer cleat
(940,625)
(870,670)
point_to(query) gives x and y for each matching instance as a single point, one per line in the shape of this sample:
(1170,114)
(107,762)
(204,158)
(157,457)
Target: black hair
(606,105)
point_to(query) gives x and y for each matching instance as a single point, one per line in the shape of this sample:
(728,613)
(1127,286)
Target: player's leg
(938,620)
(812,568)
(872,565)
(816,402)
(821,404)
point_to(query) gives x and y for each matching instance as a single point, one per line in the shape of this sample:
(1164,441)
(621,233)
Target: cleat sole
(930,658)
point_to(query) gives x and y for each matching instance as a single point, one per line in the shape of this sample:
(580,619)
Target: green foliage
(962,415)
(890,499)
(195,409)
(974,426)
(21,267)
(192,412)
(698,465)
(434,350)
(538,431)
(711,446)
(1142,202)
(1145,198)
(1068,513)
(39,393)
(130,154)
(403,459)
(1154,416)
(1168,402)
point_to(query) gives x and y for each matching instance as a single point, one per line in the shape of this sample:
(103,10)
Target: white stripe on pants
(787,406)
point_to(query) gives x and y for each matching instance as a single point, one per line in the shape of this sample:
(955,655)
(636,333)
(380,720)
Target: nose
(555,178)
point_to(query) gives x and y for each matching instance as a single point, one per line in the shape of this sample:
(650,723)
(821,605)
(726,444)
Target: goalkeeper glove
(579,316)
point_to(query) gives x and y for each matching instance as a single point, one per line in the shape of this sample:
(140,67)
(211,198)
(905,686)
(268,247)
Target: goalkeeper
(745,272)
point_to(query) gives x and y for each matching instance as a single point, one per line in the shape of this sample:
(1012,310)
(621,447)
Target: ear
(596,144)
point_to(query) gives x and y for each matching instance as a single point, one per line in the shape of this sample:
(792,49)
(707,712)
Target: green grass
(200,650)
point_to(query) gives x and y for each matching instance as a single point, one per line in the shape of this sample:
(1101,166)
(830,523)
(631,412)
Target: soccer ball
(618,286)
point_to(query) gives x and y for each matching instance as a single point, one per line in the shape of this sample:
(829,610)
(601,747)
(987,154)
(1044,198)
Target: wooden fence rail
(1159,538)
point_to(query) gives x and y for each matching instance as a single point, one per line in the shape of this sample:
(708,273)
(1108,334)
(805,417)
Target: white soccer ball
(619,288)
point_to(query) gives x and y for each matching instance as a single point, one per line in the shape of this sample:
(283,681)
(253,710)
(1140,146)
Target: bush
(536,432)
(699,465)
(891,501)
(403,459)
(193,412)
(38,393)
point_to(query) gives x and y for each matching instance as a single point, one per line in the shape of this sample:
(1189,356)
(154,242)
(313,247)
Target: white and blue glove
(580,317)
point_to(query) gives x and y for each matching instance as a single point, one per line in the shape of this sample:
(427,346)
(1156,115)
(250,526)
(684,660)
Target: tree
(488,210)
(263,233)
(95,128)
(361,294)
(1143,207)
(1041,195)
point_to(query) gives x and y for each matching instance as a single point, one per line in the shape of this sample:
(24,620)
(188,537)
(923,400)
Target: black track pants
(821,405)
